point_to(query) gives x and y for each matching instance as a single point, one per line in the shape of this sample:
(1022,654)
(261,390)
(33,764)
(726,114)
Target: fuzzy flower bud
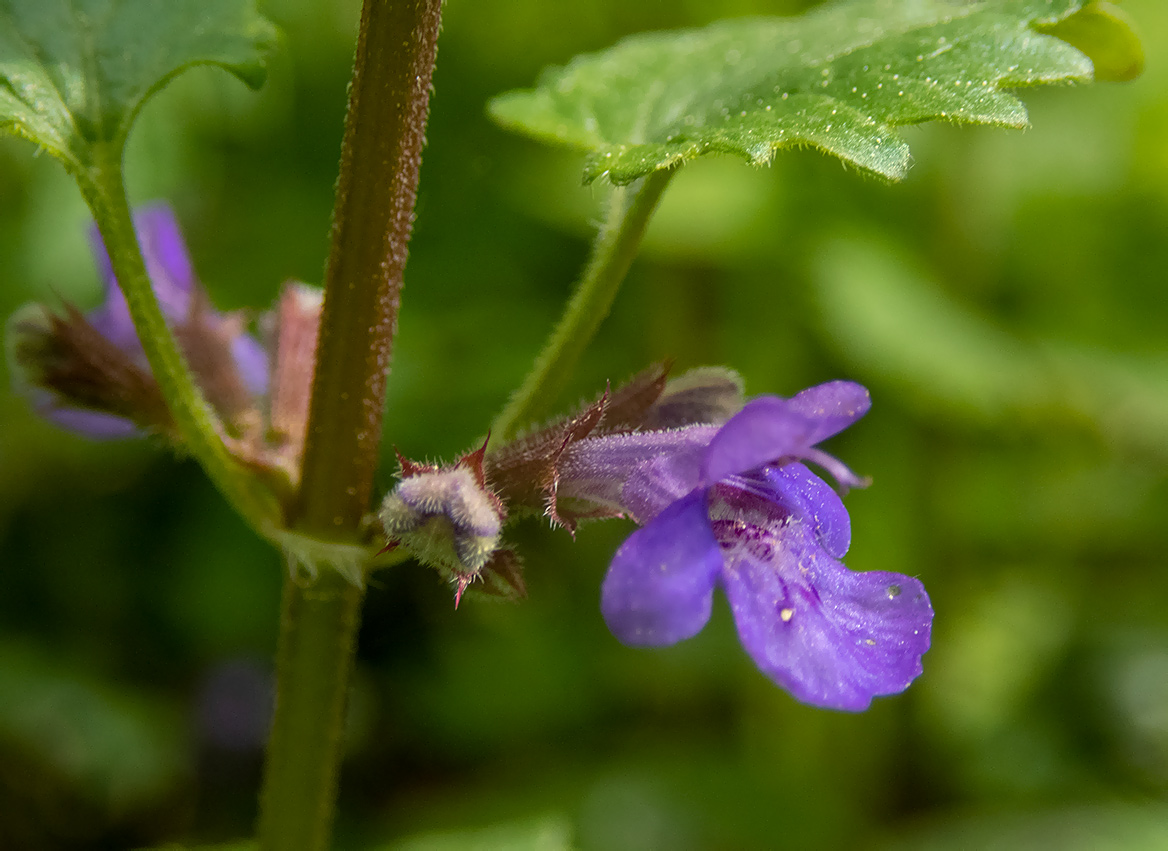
(447,517)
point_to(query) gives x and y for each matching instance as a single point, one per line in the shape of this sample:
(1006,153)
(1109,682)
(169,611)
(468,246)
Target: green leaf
(74,73)
(839,78)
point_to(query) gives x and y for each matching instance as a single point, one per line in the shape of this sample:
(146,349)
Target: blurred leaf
(839,79)
(117,748)
(1105,34)
(1135,686)
(1124,395)
(890,321)
(550,833)
(1098,828)
(241,845)
(992,652)
(75,73)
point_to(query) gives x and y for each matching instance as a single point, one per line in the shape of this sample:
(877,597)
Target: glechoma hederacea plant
(286,418)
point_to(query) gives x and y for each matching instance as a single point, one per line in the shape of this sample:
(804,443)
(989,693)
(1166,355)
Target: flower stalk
(630,208)
(104,190)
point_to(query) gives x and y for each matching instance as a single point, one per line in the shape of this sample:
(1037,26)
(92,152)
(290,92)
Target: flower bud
(447,517)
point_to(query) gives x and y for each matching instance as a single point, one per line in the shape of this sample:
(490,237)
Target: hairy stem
(630,208)
(104,190)
(382,151)
(380,160)
(318,637)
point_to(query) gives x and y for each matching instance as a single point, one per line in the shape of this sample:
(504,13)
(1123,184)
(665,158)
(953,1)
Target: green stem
(104,190)
(318,637)
(376,188)
(380,159)
(630,208)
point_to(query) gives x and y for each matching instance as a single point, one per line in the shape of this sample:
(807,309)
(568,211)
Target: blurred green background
(1005,305)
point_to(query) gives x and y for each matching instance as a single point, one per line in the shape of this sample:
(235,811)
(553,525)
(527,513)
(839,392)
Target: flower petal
(600,470)
(771,427)
(95,425)
(765,430)
(834,405)
(830,636)
(837,469)
(167,264)
(660,587)
(165,254)
(657,483)
(251,359)
(806,495)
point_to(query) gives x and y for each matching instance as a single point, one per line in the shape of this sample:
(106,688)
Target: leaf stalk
(630,208)
(103,186)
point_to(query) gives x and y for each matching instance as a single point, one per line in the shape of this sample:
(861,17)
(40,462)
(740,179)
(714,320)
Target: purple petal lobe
(660,587)
(112,319)
(165,253)
(771,427)
(834,406)
(167,264)
(765,430)
(252,361)
(830,636)
(805,495)
(96,425)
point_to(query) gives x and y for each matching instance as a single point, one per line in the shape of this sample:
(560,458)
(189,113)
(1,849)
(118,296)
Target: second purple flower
(733,506)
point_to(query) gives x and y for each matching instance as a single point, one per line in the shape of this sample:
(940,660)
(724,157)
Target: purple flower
(734,506)
(173,279)
(89,373)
